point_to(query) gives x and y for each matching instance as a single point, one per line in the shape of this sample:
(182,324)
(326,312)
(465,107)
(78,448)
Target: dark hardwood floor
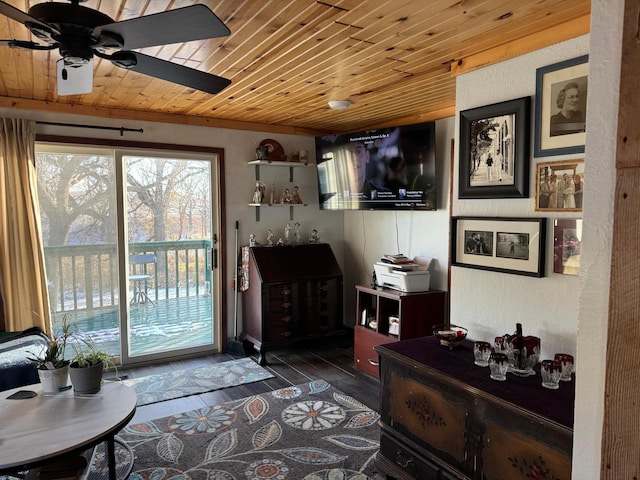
(331,361)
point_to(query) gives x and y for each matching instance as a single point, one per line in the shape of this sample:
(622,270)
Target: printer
(407,277)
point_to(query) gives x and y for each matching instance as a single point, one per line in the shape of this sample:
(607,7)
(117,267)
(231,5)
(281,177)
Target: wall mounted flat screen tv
(381,169)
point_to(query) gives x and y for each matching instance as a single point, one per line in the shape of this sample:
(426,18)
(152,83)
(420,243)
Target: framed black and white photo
(561,107)
(494,150)
(560,186)
(508,245)
(567,243)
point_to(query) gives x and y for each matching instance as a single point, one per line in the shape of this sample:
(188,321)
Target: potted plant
(53,368)
(87,365)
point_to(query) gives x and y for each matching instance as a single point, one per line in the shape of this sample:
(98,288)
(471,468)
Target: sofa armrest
(16,370)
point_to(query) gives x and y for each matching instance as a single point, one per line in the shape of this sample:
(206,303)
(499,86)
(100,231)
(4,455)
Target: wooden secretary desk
(444,418)
(294,293)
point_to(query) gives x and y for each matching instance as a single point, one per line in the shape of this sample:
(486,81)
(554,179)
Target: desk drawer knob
(403,461)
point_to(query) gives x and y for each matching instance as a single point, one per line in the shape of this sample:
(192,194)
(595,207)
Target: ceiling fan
(80,32)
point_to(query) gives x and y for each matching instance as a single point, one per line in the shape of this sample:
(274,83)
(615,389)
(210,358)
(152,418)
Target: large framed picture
(494,150)
(561,107)
(560,186)
(508,245)
(567,243)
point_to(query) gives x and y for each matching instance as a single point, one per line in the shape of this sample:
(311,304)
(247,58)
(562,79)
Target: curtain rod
(97,127)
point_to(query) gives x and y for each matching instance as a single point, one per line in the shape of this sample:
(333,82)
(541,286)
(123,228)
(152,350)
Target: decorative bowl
(523,353)
(449,335)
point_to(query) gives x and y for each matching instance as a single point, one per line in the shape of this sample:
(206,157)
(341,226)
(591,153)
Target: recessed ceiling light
(339,104)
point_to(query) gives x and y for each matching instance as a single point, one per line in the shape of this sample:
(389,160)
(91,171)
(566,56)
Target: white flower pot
(53,380)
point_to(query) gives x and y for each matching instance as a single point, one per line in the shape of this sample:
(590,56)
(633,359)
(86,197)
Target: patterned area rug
(99,466)
(182,383)
(311,432)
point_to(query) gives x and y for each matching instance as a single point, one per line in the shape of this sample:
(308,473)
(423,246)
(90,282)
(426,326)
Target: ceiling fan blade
(20,16)
(172,72)
(25,44)
(196,22)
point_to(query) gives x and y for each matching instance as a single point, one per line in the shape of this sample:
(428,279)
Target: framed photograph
(494,150)
(567,240)
(560,186)
(561,107)
(508,245)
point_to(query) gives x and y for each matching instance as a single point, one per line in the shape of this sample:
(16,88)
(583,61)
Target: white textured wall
(490,303)
(604,80)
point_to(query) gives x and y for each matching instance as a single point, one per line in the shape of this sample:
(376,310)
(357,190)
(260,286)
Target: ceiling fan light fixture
(74,79)
(339,104)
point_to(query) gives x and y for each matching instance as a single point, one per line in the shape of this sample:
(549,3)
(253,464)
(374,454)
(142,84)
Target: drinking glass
(566,364)
(498,364)
(550,371)
(481,353)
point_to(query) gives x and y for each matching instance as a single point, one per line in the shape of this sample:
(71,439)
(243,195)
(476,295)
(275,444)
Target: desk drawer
(365,357)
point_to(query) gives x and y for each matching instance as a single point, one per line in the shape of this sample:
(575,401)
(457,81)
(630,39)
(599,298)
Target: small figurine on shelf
(270,238)
(257,194)
(252,240)
(287,230)
(262,153)
(286,196)
(271,194)
(280,242)
(295,196)
(296,233)
(314,238)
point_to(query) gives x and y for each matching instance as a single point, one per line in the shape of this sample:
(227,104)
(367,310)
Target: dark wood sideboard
(444,418)
(295,293)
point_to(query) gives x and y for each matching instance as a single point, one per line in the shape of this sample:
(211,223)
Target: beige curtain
(22,276)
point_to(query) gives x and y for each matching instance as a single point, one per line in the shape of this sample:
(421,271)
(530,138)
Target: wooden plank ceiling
(395,60)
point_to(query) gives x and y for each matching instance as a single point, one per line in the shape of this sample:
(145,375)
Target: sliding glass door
(169,231)
(130,242)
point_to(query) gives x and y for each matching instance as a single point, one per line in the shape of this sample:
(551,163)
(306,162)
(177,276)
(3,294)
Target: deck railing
(86,276)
